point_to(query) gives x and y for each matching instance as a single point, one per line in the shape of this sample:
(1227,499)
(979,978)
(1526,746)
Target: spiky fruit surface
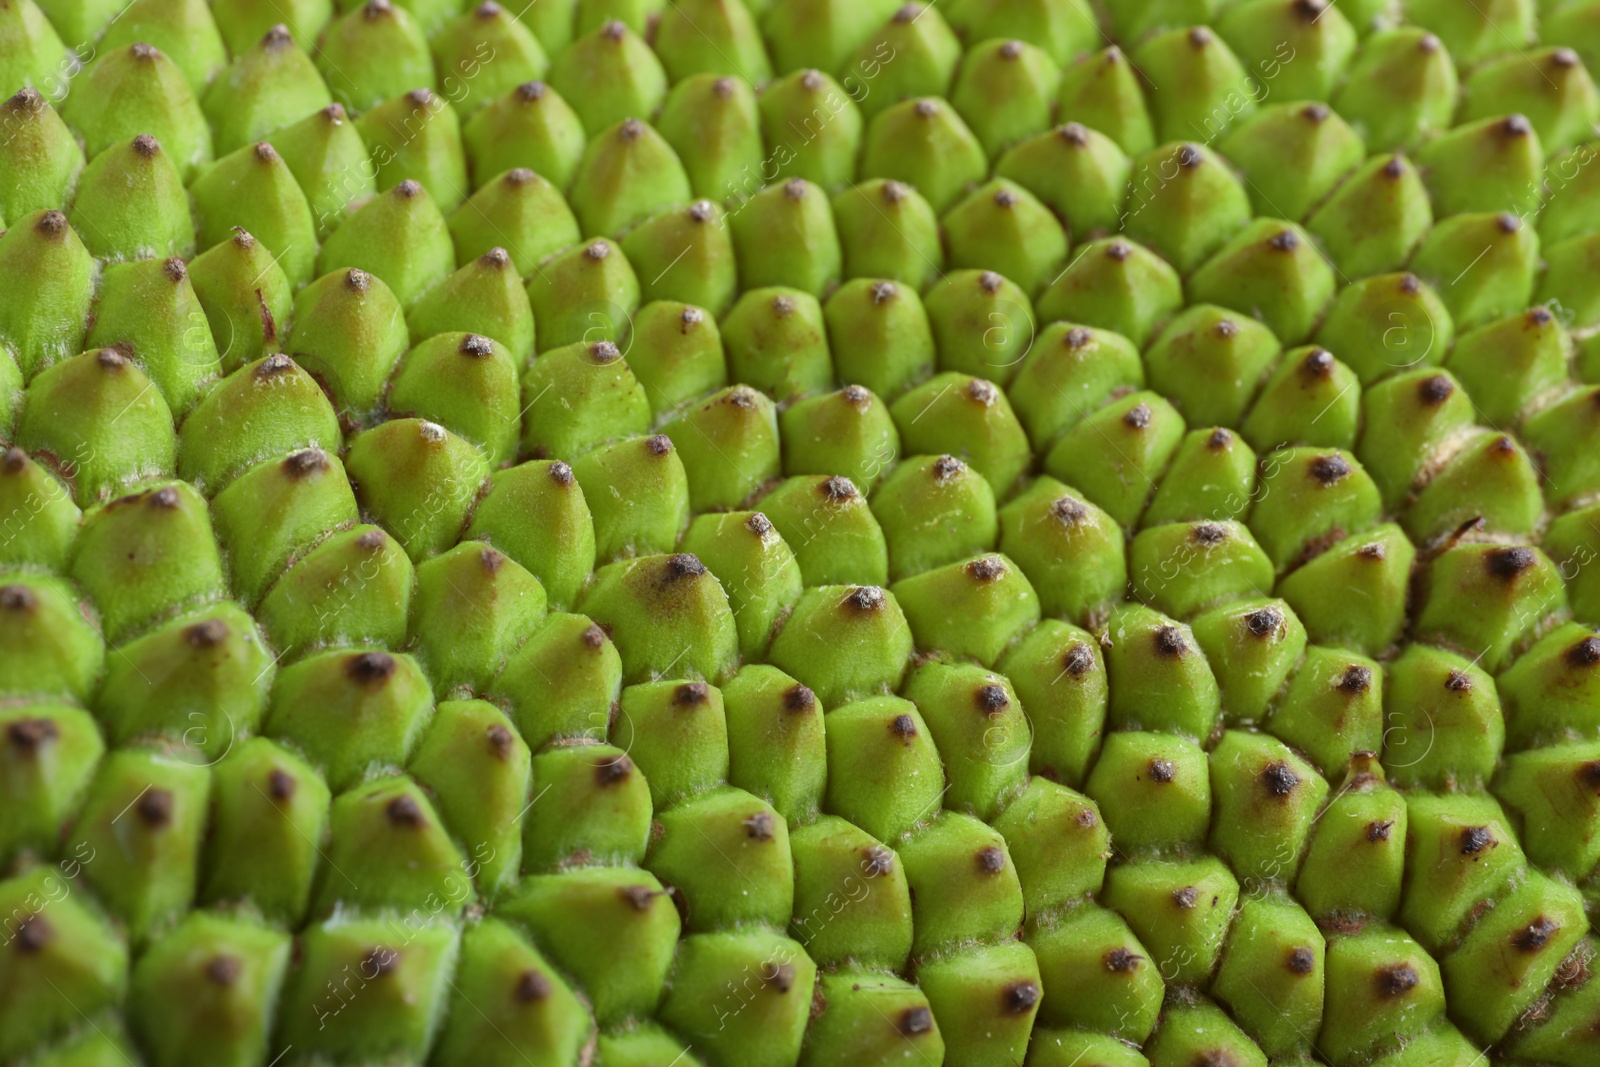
(634,533)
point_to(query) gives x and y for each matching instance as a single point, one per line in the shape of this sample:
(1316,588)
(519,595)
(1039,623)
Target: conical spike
(137,91)
(530,126)
(374,52)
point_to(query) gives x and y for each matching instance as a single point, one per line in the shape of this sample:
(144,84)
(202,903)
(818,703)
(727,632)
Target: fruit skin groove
(786,532)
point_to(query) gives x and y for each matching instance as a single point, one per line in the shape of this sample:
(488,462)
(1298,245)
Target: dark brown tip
(370,668)
(1379,830)
(1284,241)
(51,224)
(640,897)
(1161,770)
(1429,44)
(380,961)
(658,445)
(500,741)
(990,282)
(1199,36)
(530,987)
(684,565)
(1507,223)
(1356,679)
(29,735)
(1516,126)
(691,695)
(560,473)
(13,460)
(408,189)
(1458,682)
(1506,563)
(593,637)
(476,346)
(723,88)
(759,826)
(1329,469)
(208,633)
(991,699)
(1279,779)
(876,861)
(982,392)
(1137,417)
(280,784)
(947,467)
(1476,839)
(1169,641)
(1395,980)
(26,99)
(1208,533)
(17,598)
(610,772)
(1585,653)
(1533,937)
(926,108)
(1300,961)
(1077,660)
(33,933)
(866,598)
(1318,364)
(985,569)
(903,727)
(165,499)
(223,970)
(1118,251)
(991,859)
(1185,898)
(615,30)
(1263,621)
(914,1021)
(1020,998)
(1315,113)
(1073,133)
(372,540)
(798,699)
(404,810)
(837,489)
(154,808)
(1121,961)
(758,524)
(631,130)
(1435,389)
(1394,168)
(1005,198)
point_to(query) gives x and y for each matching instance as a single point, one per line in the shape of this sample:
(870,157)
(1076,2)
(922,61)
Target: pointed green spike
(44,538)
(1292,155)
(1150,654)
(887,230)
(1515,593)
(1182,568)
(40,160)
(643,1045)
(1386,324)
(784,236)
(888,732)
(1357,853)
(827,522)
(676,353)
(372,53)
(1265,801)
(1474,856)
(596,809)
(34,56)
(1484,31)
(676,731)
(353,587)
(941,606)
(506,996)
(99,422)
(1550,86)
(1006,92)
(368,987)
(254,188)
(141,555)
(758,572)
(477,770)
(349,332)
(417,136)
(1490,478)
(198,684)
(846,642)
(1180,910)
(686,256)
(1373,222)
(1063,28)
(418,478)
(964,886)
(563,682)
(851,898)
(609,75)
(1101,91)
(131,203)
(1209,362)
(1079,173)
(345,710)
(485,53)
(45,312)
(914,53)
(1068,372)
(137,91)
(970,418)
(1143,18)
(1045,825)
(1490,165)
(978,726)
(485,295)
(818,33)
(641,16)
(848,432)
(269,86)
(44,618)
(68,944)
(243,22)
(1368,576)
(776,341)
(466,383)
(530,126)
(1212,474)
(714,125)
(518,211)
(1063,1048)
(1309,399)
(230,429)
(144,869)
(1569,279)
(628,173)
(210,985)
(722,834)
(717,37)
(1253,646)
(759,1023)
(934,510)
(1546,691)
(982,322)
(1332,709)
(1297,49)
(582,396)
(1115,285)
(275,512)
(1185,203)
(986,999)
(881,331)
(1401,89)
(1002,227)
(400,236)
(1194,1031)
(924,143)
(1510,365)
(1572,541)
(1563,434)
(1310,499)
(728,445)
(1207,89)
(586,294)
(1116,455)
(330,163)
(813,129)
(1096,974)
(1071,551)
(536,514)
(150,307)
(635,468)
(51,752)
(1273,270)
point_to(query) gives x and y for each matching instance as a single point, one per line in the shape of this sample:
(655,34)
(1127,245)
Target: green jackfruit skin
(799,532)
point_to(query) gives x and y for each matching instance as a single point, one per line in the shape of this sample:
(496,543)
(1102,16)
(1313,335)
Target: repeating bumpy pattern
(645,533)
